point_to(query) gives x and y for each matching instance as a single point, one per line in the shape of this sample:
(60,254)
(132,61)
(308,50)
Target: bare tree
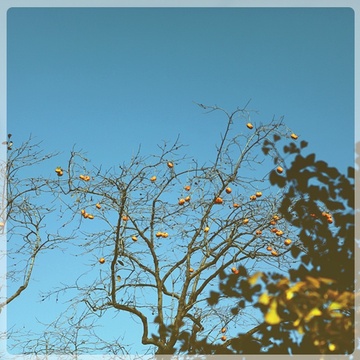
(161,229)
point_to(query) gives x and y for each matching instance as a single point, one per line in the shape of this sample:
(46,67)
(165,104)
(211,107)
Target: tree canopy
(186,249)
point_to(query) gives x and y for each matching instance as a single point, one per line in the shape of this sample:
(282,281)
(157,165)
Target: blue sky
(110,79)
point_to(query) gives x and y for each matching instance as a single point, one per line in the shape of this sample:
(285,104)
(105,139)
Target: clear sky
(110,79)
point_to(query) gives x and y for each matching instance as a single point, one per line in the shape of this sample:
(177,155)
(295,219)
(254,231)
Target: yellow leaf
(313,312)
(297,286)
(335,306)
(272,316)
(314,282)
(253,279)
(326,280)
(289,294)
(264,299)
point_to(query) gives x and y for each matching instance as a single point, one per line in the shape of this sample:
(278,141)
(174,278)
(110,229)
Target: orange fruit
(258,232)
(134,238)
(165,235)
(269,248)
(90,216)
(253,197)
(287,242)
(187,187)
(258,194)
(274,253)
(228,190)
(101,260)
(170,165)
(187,198)
(276,217)
(279,169)
(234,269)
(218,200)
(125,218)
(58,169)
(249,125)
(223,329)
(279,233)
(98,205)
(223,338)
(235,205)
(181,201)
(153,178)
(272,222)
(245,221)
(158,234)
(274,230)
(191,270)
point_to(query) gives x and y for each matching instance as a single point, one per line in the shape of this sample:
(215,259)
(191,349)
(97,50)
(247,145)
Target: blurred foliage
(311,309)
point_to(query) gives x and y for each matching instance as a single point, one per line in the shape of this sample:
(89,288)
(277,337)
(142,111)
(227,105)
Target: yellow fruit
(153,178)
(181,201)
(159,234)
(249,125)
(90,216)
(276,218)
(245,221)
(287,242)
(170,165)
(228,190)
(98,206)
(82,177)
(253,197)
(58,169)
(274,253)
(187,198)
(279,233)
(206,229)
(165,235)
(2,224)
(191,270)
(234,269)
(258,194)
(294,136)
(101,260)
(134,238)
(223,329)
